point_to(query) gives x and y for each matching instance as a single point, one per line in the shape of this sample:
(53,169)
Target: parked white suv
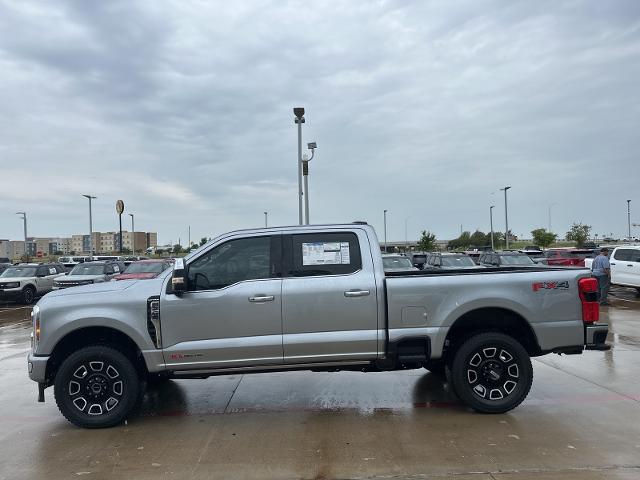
(625,266)
(25,282)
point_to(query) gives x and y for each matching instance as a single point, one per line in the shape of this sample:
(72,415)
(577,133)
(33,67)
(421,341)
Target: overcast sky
(183,109)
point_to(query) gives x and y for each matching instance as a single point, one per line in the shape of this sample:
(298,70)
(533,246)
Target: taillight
(588,288)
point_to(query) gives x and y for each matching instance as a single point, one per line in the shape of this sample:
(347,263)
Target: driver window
(231,262)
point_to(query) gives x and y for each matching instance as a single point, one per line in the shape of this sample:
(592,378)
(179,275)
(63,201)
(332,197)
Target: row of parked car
(625,261)
(27,281)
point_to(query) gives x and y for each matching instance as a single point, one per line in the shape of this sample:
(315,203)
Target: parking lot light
(90,224)
(506,218)
(24,219)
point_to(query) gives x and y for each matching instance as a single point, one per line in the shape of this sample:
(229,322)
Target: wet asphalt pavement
(580,421)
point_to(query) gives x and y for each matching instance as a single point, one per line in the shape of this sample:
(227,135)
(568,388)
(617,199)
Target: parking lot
(580,421)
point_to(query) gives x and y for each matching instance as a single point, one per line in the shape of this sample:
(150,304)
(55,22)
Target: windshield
(516,260)
(19,272)
(146,267)
(87,269)
(461,261)
(396,262)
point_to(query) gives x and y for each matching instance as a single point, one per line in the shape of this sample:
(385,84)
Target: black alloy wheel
(28,295)
(97,387)
(492,372)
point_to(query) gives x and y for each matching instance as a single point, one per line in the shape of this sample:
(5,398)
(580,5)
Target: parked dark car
(449,261)
(506,259)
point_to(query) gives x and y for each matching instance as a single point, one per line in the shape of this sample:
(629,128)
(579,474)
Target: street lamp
(133,233)
(506,217)
(299,120)
(553,204)
(385,231)
(24,220)
(491,223)
(305,173)
(406,238)
(90,224)
(266,214)
(629,217)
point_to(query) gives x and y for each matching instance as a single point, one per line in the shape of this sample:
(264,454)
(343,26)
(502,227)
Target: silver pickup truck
(312,298)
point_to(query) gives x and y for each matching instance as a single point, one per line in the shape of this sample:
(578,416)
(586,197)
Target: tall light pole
(305,173)
(406,237)
(491,223)
(553,204)
(629,217)
(299,120)
(506,217)
(24,220)
(90,224)
(266,215)
(385,231)
(133,234)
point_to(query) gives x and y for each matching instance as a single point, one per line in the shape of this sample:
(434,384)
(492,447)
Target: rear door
(621,266)
(329,300)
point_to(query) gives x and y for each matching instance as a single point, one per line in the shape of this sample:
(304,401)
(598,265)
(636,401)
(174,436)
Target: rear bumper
(595,336)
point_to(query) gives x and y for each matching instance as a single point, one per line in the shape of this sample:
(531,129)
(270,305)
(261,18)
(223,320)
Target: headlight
(35,320)
(11,285)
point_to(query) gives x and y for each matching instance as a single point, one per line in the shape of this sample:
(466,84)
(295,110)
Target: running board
(263,368)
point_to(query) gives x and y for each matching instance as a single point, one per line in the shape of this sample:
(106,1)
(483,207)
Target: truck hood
(101,287)
(78,278)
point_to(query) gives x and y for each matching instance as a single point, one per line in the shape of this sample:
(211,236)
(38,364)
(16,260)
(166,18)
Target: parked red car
(145,269)
(567,257)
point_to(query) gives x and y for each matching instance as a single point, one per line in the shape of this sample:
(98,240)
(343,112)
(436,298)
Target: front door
(329,307)
(230,314)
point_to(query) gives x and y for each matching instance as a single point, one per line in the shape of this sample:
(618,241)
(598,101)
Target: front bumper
(595,336)
(37,367)
(10,294)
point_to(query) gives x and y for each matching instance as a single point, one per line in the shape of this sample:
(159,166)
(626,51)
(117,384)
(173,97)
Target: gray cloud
(183,109)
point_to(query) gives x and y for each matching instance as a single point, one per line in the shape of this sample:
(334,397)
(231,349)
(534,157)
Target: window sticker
(52,271)
(326,253)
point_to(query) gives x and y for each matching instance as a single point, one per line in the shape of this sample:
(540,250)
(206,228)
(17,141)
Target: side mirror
(179,277)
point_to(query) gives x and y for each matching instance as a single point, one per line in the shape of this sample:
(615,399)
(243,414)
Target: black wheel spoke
(95,387)
(492,372)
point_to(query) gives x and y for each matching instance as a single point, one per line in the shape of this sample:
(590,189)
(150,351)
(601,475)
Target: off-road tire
(101,380)
(492,372)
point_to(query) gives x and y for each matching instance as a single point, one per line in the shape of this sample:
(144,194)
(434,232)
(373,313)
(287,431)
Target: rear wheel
(492,373)
(96,387)
(28,295)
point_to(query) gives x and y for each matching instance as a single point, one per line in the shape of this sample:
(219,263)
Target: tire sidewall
(460,365)
(28,295)
(130,379)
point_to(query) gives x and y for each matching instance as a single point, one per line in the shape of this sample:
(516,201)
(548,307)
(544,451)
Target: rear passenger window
(623,254)
(324,254)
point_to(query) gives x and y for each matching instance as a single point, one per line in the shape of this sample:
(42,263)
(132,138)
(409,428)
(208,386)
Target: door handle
(261,298)
(356,293)
(629,264)
(612,263)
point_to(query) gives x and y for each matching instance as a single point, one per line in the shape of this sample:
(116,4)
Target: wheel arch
(492,319)
(94,335)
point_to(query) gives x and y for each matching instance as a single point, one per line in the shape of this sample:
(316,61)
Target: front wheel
(96,387)
(28,295)
(492,373)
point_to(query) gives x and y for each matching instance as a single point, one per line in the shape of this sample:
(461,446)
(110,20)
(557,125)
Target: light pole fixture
(299,120)
(629,217)
(491,224)
(406,237)
(385,231)
(133,234)
(506,218)
(305,173)
(23,215)
(90,224)
(266,215)
(552,205)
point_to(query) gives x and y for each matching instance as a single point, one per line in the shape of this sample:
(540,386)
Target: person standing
(602,271)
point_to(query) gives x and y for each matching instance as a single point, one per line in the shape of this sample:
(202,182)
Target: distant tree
(427,241)
(177,248)
(203,240)
(460,243)
(579,233)
(58,252)
(479,239)
(72,252)
(542,238)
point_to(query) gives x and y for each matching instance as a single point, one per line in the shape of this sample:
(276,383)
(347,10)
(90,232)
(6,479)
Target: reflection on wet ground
(580,421)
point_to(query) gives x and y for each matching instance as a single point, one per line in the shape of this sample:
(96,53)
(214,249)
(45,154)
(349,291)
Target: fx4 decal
(549,286)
